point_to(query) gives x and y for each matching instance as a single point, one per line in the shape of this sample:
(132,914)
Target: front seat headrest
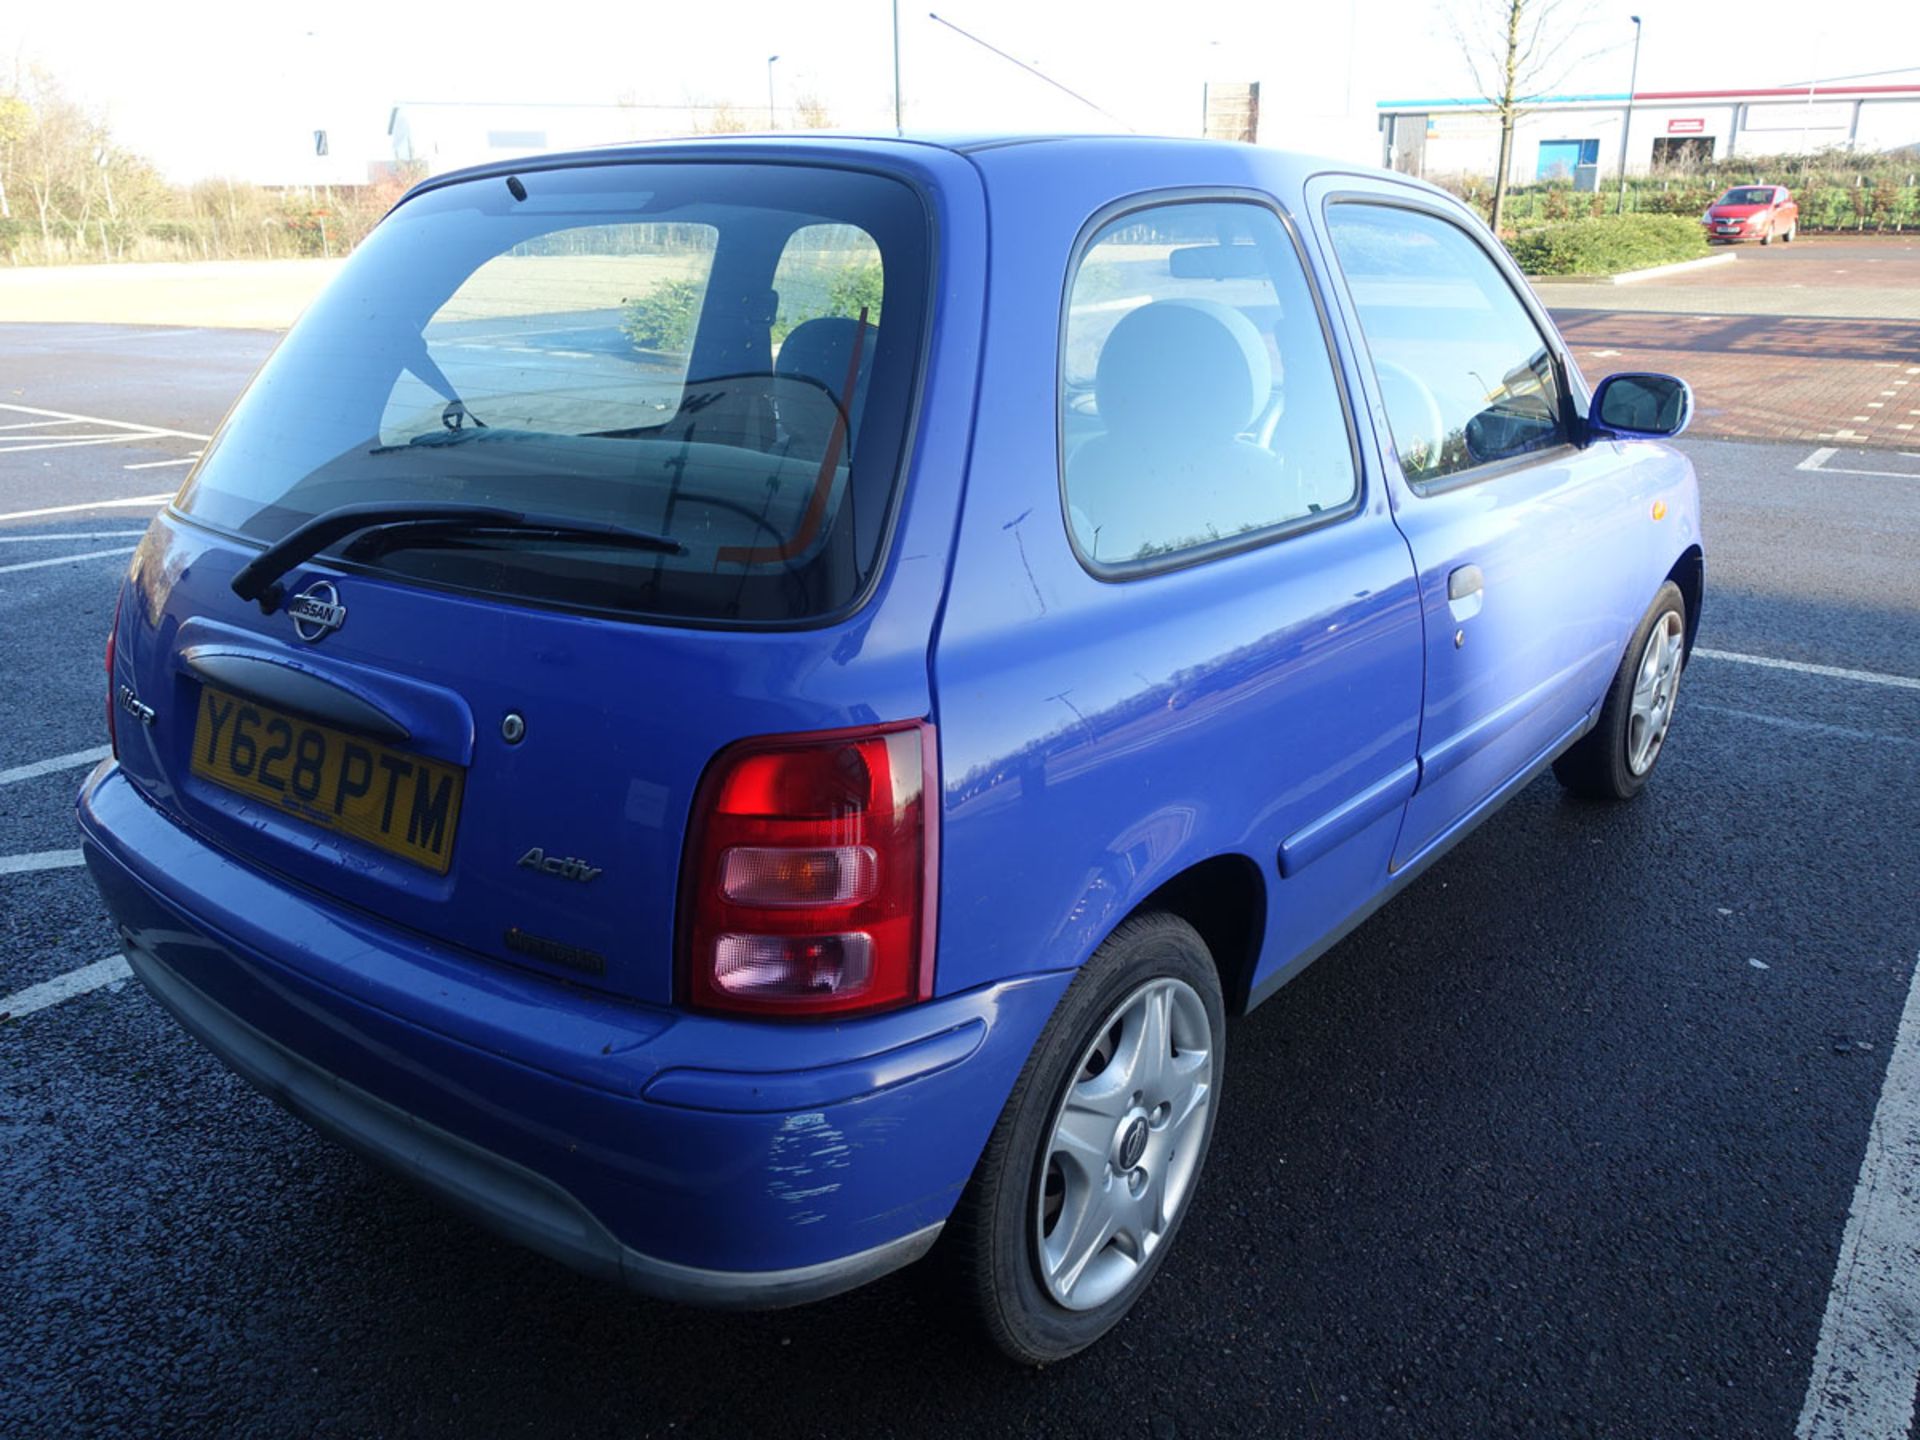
(1181,372)
(820,350)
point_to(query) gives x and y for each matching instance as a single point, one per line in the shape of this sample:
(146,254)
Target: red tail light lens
(809,883)
(113,700)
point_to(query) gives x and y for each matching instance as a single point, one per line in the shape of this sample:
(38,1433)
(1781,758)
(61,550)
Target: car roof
(825,143)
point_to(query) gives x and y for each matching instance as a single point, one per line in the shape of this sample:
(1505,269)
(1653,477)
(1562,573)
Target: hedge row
(1607,245)
(1880,207)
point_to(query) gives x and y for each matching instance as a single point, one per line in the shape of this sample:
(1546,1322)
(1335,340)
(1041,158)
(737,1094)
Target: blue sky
(211,87)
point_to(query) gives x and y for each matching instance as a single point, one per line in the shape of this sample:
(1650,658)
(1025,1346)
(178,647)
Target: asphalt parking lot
(1564,1141)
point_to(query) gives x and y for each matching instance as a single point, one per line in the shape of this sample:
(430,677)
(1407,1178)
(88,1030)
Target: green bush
(663,318)
(852,288)
(855,289)
(1607,244)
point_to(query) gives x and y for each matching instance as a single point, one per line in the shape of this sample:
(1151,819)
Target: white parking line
(1829,672)
(72,535)
(1805,727)
(132,500)
(40,860)
(55,765)
(157,464)
(1817,462)
(65,987)
(1868,1360)
(79,441)
(66,559)
(98,420)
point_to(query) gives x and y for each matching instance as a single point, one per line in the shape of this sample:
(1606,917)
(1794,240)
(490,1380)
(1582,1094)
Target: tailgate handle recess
(301,691)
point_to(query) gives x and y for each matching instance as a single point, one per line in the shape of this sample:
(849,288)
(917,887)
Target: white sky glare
(236,87)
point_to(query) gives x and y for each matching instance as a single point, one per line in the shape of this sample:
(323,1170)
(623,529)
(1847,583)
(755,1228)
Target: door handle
(1466,589)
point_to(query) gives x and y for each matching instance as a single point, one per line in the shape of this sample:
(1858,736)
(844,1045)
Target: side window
(827,292)
(1465,373)
(1198,401)
(572,331)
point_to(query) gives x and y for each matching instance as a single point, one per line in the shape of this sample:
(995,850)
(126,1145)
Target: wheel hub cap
(1125,1146)
(1656,684)
(1131,1143)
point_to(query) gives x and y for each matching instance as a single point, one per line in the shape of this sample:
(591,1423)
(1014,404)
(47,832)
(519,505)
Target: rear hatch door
(493,737)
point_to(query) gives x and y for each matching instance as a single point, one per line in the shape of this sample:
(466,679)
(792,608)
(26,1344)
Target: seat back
(1175,384)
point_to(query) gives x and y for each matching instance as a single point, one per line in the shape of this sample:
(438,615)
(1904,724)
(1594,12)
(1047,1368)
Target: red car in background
(1753,212)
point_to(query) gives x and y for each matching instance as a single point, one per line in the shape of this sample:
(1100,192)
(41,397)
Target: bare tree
(15,120)
(810,113)
(719,117)
(51,156)
(1517,50)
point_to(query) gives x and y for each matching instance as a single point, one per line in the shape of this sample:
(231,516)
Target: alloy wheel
(1120,1161)
(1656,684)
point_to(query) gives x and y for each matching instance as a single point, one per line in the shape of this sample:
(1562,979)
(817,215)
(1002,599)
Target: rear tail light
(113,699)
(809,882)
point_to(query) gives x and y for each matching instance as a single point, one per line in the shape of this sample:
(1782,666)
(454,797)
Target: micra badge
(566,867)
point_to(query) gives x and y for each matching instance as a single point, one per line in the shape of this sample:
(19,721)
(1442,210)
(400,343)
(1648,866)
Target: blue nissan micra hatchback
(741,710)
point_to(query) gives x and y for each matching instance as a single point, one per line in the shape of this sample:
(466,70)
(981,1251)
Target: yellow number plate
(397,802)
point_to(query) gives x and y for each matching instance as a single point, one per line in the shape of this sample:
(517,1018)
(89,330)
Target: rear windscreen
(722,355)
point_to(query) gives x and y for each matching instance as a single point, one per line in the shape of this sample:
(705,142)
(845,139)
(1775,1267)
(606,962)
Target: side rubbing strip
(1347,819)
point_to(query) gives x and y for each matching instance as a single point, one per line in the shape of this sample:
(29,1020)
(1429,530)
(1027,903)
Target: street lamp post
(1626,128)
(771,125)
(898,127)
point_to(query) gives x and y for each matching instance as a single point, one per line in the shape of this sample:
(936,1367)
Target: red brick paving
(1765,377)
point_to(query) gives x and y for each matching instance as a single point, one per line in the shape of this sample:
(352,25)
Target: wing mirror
(1639,407)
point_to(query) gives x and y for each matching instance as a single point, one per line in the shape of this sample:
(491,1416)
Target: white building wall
(1467,141)
(1889,125)
(443,137)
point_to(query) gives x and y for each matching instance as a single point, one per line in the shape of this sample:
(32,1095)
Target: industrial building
(433,136)
(1559,136)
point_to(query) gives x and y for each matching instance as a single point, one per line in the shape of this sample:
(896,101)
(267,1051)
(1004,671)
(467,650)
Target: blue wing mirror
(1639,407)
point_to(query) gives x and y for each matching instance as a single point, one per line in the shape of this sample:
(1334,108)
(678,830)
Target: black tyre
(1613,760)
(1094,1161)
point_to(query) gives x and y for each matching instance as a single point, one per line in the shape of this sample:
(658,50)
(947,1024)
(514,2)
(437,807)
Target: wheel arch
(1689,572)
(1225,899)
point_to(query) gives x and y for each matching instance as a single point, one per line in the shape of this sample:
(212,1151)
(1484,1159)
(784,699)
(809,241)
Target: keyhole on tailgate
(513,728)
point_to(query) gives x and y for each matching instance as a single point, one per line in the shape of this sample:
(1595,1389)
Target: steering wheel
(1403,391)
(1267,423)
(785,377)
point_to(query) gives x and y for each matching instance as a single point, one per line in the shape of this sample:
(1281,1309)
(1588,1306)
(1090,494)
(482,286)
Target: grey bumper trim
(499,1193)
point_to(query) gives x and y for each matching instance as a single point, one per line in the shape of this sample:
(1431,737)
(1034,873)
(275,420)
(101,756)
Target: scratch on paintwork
(1021,544)
(805,1152)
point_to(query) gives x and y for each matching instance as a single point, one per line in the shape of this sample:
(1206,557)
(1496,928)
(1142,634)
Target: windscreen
(720,355)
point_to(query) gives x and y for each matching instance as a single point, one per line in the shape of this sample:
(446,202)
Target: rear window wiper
(259,578)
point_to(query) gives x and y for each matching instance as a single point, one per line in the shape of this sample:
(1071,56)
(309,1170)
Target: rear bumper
(713,1161)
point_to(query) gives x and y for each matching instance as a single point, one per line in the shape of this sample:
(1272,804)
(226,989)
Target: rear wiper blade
(259,578)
